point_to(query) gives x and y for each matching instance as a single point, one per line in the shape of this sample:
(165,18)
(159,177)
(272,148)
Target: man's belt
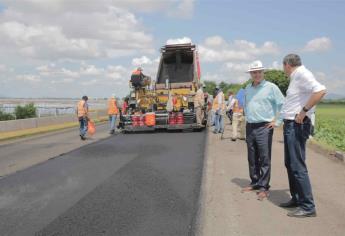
(257,125)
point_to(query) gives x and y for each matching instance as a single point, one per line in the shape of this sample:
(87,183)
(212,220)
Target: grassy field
(330,125)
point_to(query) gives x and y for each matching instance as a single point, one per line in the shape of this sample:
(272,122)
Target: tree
(225,87)
(27,111)
(210,86)
(279,78)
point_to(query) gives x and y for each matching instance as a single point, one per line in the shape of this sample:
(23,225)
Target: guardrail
(13,125)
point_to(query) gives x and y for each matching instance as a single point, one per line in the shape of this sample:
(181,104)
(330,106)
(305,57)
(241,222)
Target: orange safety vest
(112,107)
(136,72)
(236,108)
(215,105)
(81,109)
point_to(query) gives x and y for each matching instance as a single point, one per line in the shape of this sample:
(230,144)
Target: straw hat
(255,66)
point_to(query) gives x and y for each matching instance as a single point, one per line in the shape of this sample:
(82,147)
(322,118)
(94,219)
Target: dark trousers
(295,137)
(259,145)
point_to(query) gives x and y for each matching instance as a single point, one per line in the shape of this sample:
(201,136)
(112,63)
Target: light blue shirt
(263,102)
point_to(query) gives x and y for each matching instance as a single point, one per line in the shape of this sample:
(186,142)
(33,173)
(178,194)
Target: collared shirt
(262,102)
(231,102)
(302,85)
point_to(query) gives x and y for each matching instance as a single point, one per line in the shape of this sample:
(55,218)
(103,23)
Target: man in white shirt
(230,105)
(303,94)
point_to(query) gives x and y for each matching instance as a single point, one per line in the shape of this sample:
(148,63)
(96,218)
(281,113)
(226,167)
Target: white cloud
(55,30)
(29,78)
(321,77)
(118,73)
(3,68)
(185,9)
(237,67)
(179,41)
(51,71)
(333,81)
(91,70)
(276,65)
(318,45)
(215,41)
(227,77)
(216,49)
(144,60)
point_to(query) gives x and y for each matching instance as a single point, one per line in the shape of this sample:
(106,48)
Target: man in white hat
(263,102)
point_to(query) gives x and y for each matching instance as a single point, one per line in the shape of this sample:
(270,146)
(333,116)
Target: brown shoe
(247,189)
(262,195)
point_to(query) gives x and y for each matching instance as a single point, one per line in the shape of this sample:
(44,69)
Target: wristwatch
(305,109)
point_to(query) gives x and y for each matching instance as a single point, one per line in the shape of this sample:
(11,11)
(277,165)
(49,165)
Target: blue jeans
(295,138)
(112,121)
(219,123)
(83,126)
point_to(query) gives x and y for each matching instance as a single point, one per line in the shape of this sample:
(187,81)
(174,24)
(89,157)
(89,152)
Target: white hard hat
(255,66)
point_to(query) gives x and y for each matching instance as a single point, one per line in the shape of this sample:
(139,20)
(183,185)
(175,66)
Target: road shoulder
(227,211)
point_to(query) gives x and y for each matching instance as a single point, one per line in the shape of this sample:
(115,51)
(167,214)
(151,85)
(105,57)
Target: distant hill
(334,96)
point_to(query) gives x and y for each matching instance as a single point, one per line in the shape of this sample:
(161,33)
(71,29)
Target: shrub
(27,111)
(6,116)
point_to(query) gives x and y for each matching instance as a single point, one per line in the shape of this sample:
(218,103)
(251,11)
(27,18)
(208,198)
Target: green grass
(330,125)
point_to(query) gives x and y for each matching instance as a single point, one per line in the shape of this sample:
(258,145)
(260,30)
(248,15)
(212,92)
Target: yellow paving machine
(168,101)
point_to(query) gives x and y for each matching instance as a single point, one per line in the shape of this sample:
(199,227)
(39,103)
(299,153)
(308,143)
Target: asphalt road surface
(19,154)
(135,184)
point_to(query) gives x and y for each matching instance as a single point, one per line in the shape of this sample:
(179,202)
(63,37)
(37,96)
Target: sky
(70,48)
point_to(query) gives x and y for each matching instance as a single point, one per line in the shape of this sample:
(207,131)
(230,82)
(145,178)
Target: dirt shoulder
(227,211)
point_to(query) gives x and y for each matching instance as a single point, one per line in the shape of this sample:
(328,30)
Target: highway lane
(19,154)
(135,184)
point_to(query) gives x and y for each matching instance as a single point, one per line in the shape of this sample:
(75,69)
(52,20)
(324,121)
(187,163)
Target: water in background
(51,107)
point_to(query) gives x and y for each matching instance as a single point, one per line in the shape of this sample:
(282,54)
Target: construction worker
(82,113)
(238,121)
(210,112)
(124,106)
(113,111)
(199,102)
(229,106)
(137,77)
(219,108)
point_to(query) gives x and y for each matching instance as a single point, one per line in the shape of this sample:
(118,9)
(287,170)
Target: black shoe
(82,137)
(289,204)
(300,213)
(233,139)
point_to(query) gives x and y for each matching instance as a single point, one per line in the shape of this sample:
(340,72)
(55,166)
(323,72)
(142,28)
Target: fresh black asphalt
(133,184)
